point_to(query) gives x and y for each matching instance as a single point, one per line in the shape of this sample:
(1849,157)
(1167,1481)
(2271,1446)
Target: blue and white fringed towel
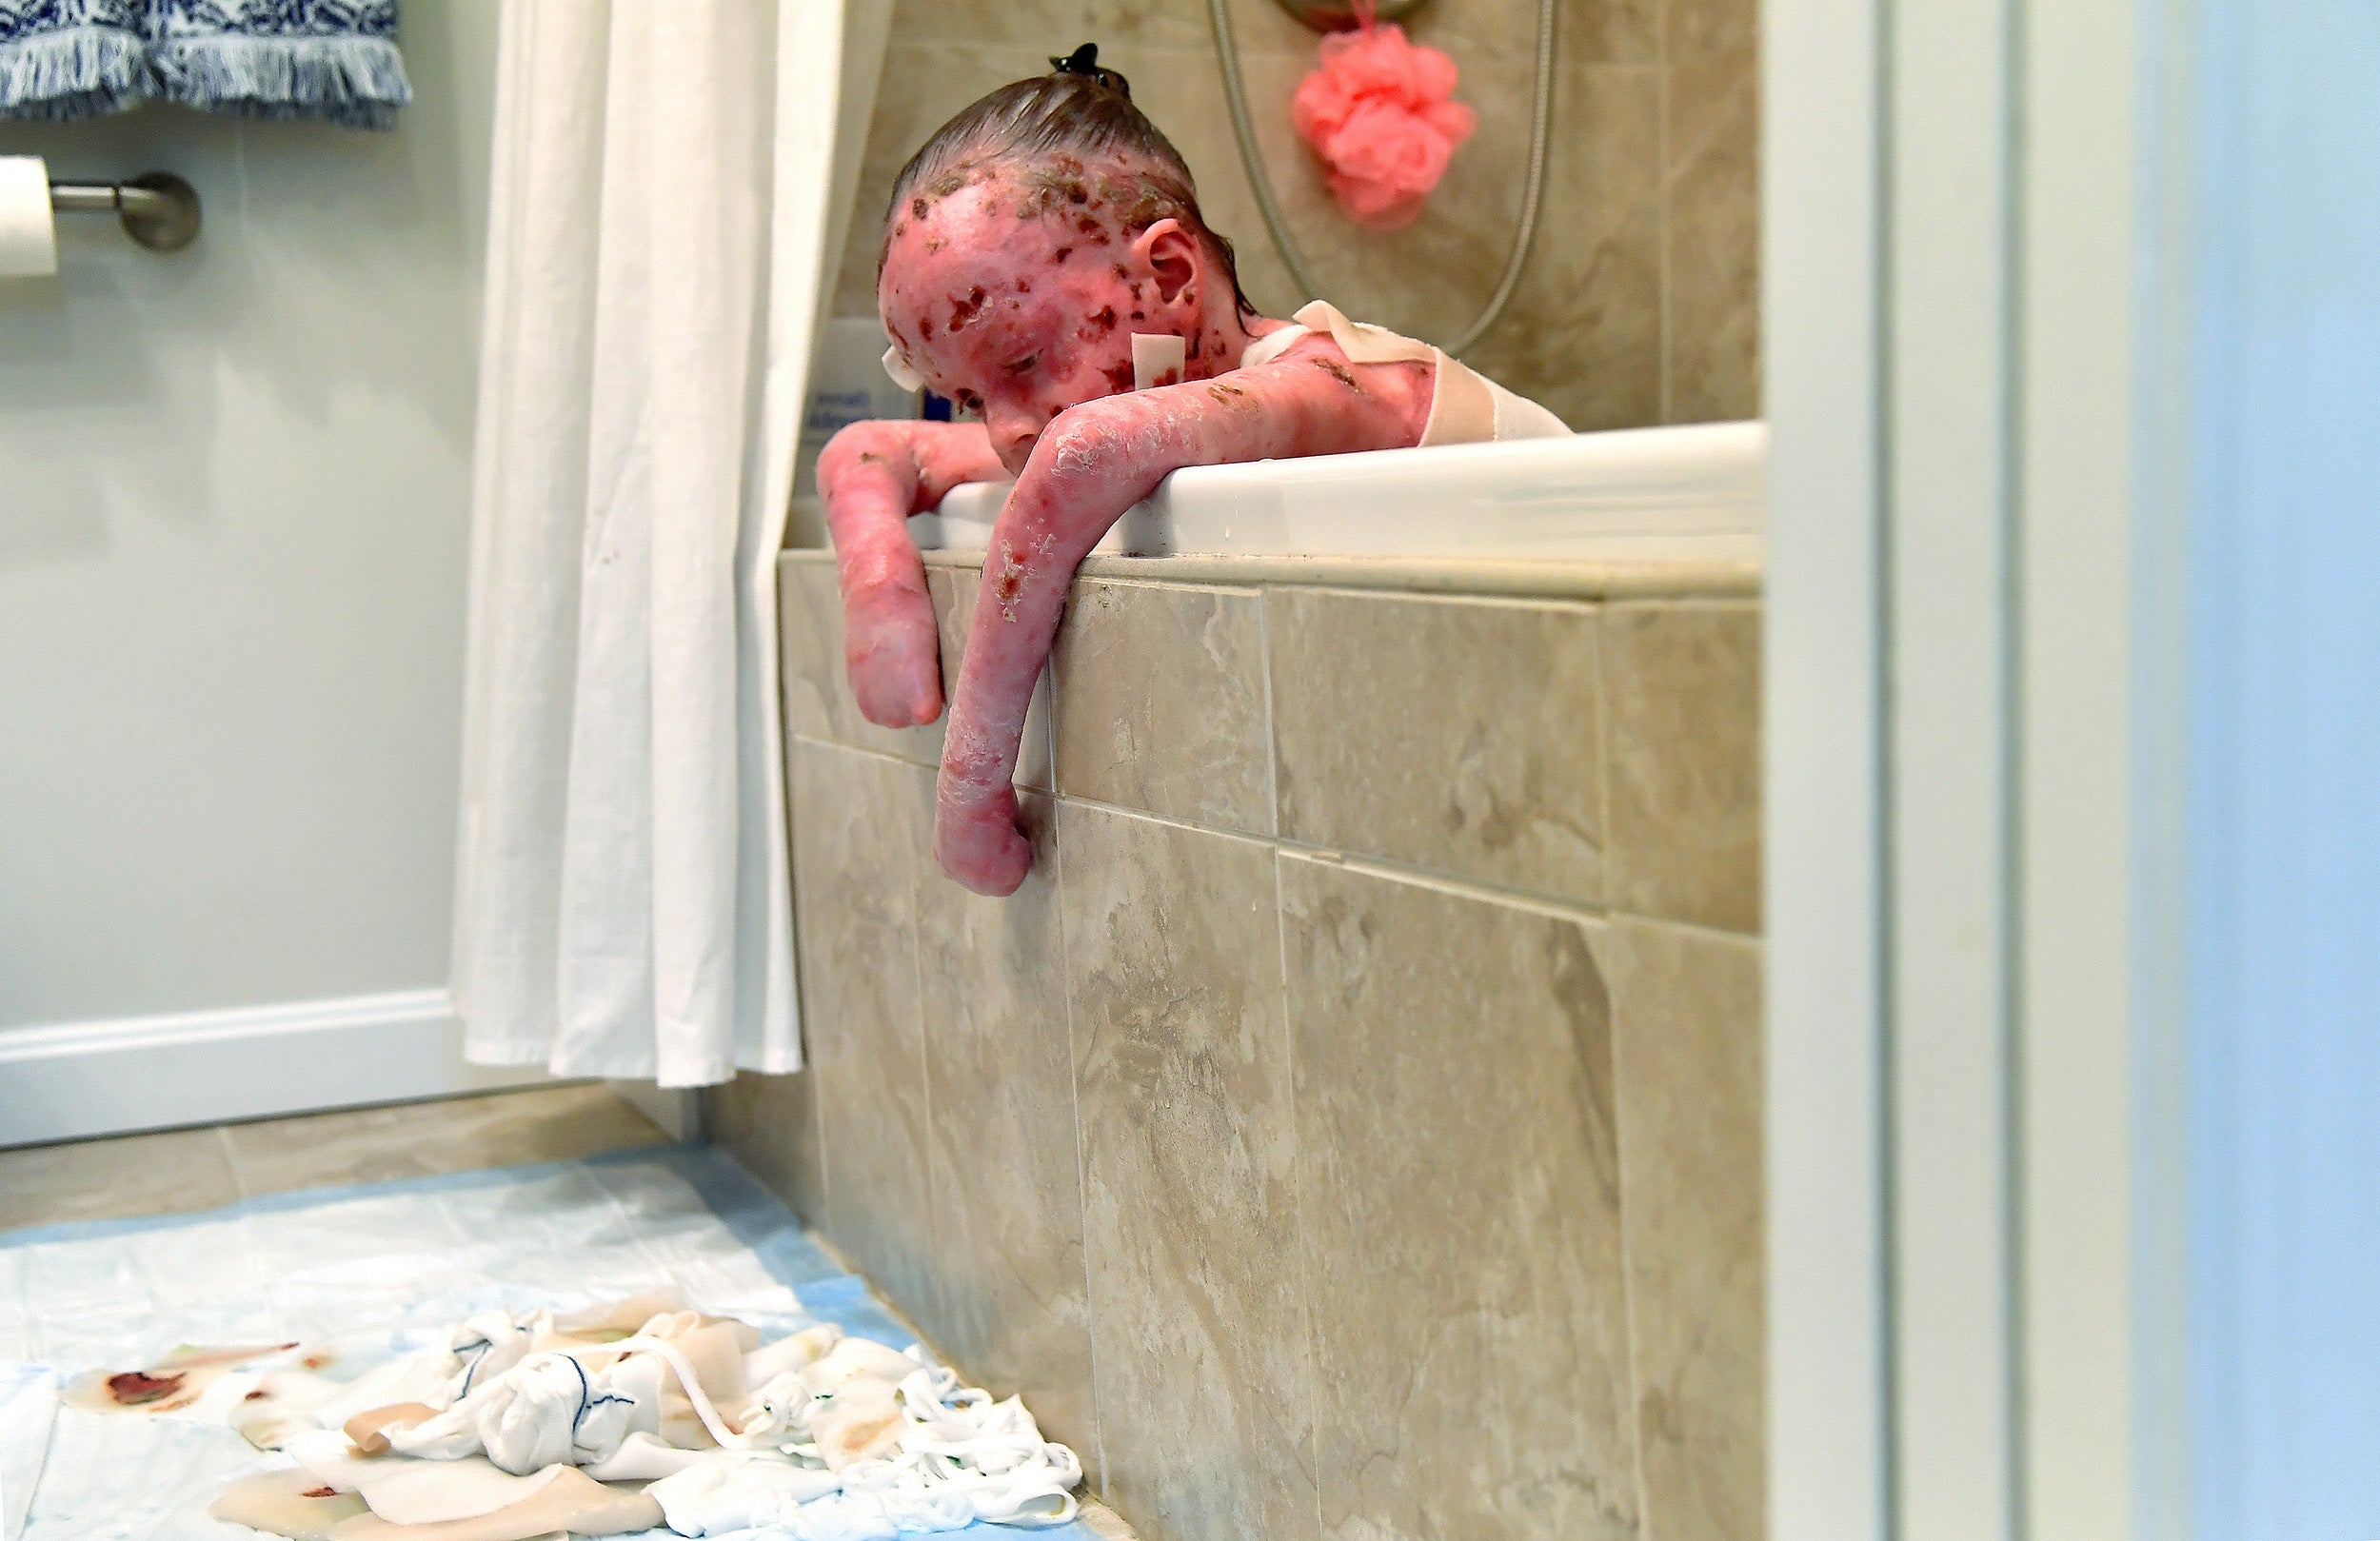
(332,59)
(73,58)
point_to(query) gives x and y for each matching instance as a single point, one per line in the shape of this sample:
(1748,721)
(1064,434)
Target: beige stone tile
(809,645)
(769,1123)
(1711,49)
(1583,333)
(1182,1065)
(1714,267)
(1459,735)
(956,591)
(1007,1186)
(1055,26)
(818,700)
(1682,681)
(416,1139)
(1586,31)
(1686,1009)
(1161,702)
(1105,1521)
(1454,1089)
(112,1179)
(863,827)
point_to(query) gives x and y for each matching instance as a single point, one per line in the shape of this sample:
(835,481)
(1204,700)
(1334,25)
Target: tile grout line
(1272,727)
(232,1159)
(925,1065)
(1664,321)
(1614,1009)
(1603,750)
(1387,868)
(1298,1174)
(809,1062)
(1081,1166)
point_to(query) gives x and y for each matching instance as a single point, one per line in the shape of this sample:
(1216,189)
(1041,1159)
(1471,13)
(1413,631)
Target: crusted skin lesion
(1340,372)
(1009,583)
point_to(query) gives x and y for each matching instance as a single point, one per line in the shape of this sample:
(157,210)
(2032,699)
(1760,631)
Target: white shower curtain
(670,189)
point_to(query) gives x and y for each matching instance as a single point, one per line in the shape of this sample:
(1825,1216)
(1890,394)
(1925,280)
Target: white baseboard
(78,1081)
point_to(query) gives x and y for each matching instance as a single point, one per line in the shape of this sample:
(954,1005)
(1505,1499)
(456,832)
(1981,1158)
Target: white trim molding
(1949,289)
(79,1080)
(1949,692)
(1829,1424)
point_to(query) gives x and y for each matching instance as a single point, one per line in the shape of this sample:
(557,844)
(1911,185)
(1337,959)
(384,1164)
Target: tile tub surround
(1351,1129)
(1640,303)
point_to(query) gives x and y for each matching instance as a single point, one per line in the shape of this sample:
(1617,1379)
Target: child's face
(1019,305)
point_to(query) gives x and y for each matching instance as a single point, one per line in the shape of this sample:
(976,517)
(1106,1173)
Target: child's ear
(1172,255)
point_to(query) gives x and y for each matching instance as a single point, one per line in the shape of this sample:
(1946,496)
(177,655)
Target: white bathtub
(1645,495)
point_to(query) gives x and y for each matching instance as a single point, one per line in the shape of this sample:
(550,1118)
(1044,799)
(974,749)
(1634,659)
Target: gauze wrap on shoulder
(1466,407)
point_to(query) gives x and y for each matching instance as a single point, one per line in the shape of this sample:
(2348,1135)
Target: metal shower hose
(1227,54)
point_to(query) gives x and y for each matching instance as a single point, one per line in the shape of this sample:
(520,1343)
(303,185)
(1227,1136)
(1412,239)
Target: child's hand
(874,475)
(981,846)
(891,652)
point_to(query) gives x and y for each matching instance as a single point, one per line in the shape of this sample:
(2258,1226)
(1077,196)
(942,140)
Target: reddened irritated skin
(875,476)
(1017,292)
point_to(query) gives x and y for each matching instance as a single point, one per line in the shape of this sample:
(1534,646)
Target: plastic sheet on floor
(403,1258)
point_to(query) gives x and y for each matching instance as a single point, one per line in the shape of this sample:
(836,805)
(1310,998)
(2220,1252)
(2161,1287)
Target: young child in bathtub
(1046,268)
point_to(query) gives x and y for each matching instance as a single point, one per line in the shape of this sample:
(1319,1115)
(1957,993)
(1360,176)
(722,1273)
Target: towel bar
(159,209)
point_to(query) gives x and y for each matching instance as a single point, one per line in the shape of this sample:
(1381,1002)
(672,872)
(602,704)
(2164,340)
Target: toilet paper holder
(158,209)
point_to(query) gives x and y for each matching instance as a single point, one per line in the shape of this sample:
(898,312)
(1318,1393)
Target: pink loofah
(1379,112)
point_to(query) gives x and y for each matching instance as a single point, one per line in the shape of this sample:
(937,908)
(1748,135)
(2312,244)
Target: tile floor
(181,1169)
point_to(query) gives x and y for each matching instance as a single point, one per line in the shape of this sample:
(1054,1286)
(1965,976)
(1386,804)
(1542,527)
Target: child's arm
(1094,461)
(874,475)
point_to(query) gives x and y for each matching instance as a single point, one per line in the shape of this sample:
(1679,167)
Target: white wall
(234,489)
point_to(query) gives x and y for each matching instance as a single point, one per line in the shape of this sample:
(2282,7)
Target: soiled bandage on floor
(483,1347)
(404,1490)
(579,1406)
(280,1403)
(335,1495)
(294,1503)
(179,1380)
(571,1501)
(388,1273)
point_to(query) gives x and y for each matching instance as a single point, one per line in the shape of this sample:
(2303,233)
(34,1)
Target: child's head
(1035,233)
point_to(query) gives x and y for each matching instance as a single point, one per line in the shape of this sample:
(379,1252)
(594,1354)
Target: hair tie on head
(1085,61)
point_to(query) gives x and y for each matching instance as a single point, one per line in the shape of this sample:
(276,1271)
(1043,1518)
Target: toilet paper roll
(28,232)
